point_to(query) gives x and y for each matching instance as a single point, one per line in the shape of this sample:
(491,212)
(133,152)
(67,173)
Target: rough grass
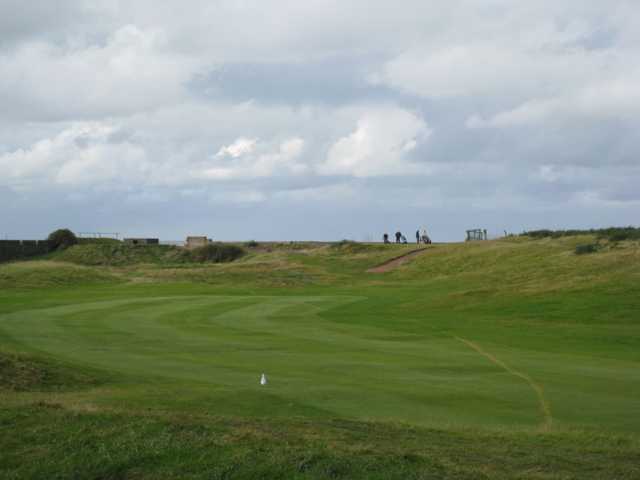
(59,443)
(23,373)
(120,254)
(116,254)
(42,274)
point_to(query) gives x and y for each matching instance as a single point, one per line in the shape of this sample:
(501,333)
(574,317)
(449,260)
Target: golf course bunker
(318,361)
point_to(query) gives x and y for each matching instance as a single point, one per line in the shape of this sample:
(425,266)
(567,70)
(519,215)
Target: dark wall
(20,249)
(142,241)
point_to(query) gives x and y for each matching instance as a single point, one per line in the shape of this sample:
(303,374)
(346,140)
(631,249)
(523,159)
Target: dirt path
(545,407)
(396,262)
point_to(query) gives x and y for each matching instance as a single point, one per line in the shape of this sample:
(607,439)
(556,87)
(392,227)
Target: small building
(476,234)
(142,241)
(195,242)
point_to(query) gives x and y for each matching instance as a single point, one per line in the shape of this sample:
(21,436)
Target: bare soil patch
(396,262)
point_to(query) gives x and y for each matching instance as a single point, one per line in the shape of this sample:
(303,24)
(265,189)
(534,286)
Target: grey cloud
(58,21)
(335,80)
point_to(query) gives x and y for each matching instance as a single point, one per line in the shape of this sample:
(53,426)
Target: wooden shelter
(476,234)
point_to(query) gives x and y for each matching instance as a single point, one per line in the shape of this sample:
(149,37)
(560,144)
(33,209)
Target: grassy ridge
(439,369)
(120,254)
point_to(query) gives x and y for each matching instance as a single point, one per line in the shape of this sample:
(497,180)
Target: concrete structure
(142,241)
(195,242)
(476,234)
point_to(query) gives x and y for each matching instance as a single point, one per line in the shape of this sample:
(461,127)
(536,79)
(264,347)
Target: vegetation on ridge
(614,234)
(121,254)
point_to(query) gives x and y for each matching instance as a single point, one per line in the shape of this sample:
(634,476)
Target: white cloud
(282,162)
(132,72)
(501,68)
(80,155)
(238,148)
(379,145)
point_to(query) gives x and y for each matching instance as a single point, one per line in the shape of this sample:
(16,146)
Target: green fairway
(518,339)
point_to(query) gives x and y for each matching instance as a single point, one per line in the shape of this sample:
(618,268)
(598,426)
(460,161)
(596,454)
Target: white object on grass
(263,379)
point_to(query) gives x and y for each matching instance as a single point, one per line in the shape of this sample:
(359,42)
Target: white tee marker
(263,379)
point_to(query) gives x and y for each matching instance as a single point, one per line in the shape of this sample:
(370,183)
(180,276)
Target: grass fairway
(506,359)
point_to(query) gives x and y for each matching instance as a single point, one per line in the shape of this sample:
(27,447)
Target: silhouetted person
(398,235)
(418,237)
(385,238)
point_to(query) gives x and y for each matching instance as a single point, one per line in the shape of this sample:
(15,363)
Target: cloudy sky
(318,119)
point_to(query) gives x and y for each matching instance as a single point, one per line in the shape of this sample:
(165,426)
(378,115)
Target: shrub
(620,234)
(587,248)
(539,233)
(251,244)
(61,239)
(614,234)
(216,253)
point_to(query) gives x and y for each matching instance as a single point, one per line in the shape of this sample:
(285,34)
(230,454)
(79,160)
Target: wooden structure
(476,234)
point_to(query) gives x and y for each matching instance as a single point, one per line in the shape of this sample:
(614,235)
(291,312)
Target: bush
(620,234)
(61,239)
(216,253)
(251,244)
(614,234)
(587,248)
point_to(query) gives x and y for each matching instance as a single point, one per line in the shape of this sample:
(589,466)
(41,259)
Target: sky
(319,119)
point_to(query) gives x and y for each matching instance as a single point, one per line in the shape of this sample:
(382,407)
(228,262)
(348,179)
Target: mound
(348,246)
(119,254)
(116,254)
(22,373)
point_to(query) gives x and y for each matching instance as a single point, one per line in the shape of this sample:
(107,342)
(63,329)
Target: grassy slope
(338,344)
(26,373)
